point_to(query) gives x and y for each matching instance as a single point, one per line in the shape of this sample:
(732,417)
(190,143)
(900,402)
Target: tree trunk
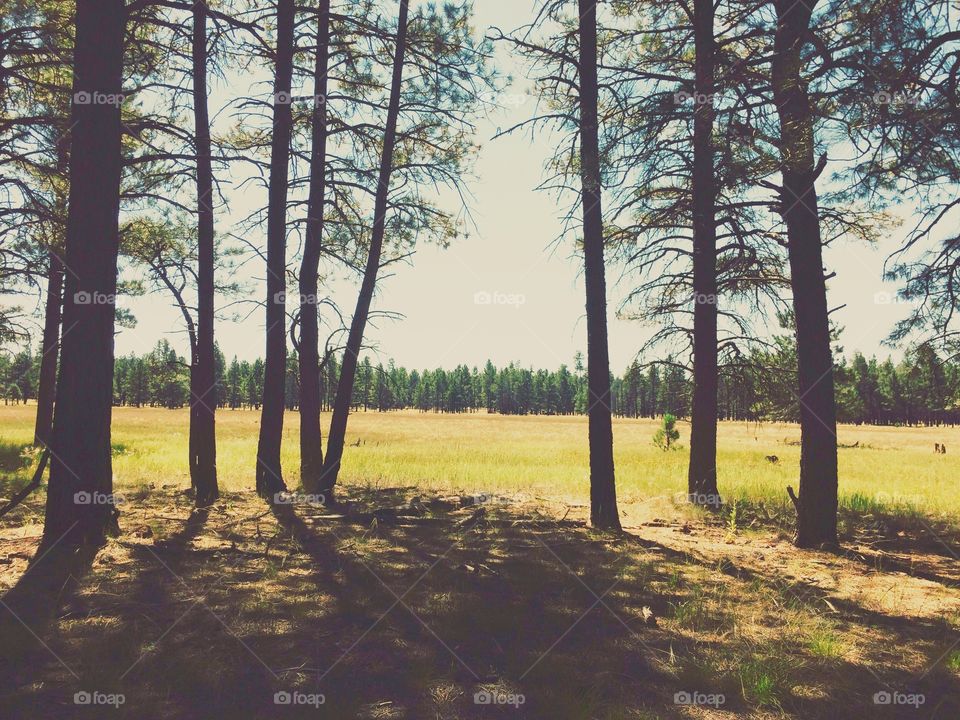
(817,504)
(348,370)
(203,393)
(702,475)
(269,474)
(81,474)
(603,490)
(47,385)
(311,446)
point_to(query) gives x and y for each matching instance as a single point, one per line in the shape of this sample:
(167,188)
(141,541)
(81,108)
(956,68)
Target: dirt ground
(410,606)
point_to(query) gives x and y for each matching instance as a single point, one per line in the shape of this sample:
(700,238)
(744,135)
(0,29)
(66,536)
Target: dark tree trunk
(269,474)
(81,461)
(348,370)
(47,386)
(203,393)
(817,504)
(603,489)
(311,447)
(702,476)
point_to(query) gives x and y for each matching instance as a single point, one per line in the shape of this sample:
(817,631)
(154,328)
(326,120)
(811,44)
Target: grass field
(889,468)
(411,601)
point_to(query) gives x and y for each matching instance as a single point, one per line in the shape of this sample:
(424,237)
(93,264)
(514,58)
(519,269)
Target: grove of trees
(709,153)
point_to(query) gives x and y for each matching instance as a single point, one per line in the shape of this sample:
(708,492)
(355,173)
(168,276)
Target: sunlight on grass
(890,468)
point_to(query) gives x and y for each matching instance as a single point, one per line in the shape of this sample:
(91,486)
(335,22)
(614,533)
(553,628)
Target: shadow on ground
(411,607)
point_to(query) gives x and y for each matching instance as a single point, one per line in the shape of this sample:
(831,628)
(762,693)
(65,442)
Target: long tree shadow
(407,607)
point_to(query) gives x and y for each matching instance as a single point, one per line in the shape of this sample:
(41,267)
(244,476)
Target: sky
(508,292)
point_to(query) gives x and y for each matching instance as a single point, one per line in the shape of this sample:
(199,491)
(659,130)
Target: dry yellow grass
(540,456)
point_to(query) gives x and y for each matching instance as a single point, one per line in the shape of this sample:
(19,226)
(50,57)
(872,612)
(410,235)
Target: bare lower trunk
(203,393)
(47,385)
(817,504)
(311,446)
(348,371)
(269,474)
(702,475)
(603,490)
(79,494)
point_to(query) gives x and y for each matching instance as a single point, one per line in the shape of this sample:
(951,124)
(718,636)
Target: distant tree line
(922,389)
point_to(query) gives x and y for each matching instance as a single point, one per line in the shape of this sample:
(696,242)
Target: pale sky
(535,313)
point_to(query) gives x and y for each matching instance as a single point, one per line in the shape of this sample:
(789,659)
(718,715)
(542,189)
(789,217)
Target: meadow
(421,599)
(883,468)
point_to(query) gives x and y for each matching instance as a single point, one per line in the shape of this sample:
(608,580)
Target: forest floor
(411,605)
(461,581)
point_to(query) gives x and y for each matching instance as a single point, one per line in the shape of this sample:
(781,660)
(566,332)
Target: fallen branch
(30,487)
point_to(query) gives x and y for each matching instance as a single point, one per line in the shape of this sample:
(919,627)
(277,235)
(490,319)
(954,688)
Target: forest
(922,389)
(748,520)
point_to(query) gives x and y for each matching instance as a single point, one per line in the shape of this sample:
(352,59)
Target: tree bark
(348,370)
(47,386)
(702,475)
(311,445)
(81,427)
(817,504)
(269,474)
(203,394)
(603,490)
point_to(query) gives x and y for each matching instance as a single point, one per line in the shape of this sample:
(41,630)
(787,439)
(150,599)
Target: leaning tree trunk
(47,385)
(603,490)
(817,503)
(269,474)
(348,370)
(81,473)
(311,447)
(702,475)
(203,391)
